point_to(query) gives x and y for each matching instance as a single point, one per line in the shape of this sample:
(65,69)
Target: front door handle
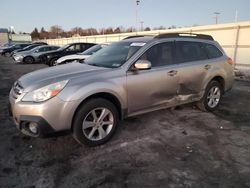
(207,67)
(172,72)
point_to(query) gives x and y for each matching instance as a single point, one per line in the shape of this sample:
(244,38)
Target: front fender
(80,93)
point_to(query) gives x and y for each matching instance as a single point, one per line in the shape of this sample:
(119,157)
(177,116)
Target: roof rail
(184,35)
(135,36)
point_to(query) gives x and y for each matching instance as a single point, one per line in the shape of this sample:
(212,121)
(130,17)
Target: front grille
(17,89)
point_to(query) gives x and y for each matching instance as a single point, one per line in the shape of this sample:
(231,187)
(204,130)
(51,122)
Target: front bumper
(18,59)
(54,115)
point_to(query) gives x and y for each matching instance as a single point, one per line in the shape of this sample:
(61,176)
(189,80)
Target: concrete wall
(233,37)
(4,38)
(20,37)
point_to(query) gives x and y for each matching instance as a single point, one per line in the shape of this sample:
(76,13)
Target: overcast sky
(24,15)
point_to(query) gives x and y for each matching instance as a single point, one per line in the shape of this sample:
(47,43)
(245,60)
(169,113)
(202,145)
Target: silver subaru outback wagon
(134,76)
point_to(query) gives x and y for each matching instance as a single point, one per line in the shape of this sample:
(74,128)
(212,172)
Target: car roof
(144,39)
(81,43)
(170,36)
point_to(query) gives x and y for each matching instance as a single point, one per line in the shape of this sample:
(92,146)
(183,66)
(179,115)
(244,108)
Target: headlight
(45,93)
(19,56)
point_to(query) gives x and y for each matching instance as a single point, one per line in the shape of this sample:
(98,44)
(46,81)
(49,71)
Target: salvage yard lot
(180,147)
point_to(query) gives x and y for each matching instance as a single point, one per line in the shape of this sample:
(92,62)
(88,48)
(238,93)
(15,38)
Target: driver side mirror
(142,65)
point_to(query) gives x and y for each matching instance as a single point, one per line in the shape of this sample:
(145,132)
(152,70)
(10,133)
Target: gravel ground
(169,148)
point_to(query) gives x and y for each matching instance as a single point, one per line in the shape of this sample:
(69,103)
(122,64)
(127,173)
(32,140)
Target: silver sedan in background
(80,56)
(32,56)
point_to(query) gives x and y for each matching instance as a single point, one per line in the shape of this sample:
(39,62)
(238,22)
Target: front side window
(53,48)
(114,55)
(78,47)
(43,49)
(190,51)
(160,54)
(71,48)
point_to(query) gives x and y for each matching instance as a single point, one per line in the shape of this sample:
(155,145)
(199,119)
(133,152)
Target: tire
(29,60)
(52,62)
(43,59)
(88,129)
(212,97)
(7,54)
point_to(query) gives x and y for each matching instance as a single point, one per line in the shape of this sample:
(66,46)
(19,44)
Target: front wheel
(212,97)
(95,122)
(29,60)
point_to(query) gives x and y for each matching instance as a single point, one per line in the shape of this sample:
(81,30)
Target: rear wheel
(28,60)
(212,97)
(95,122)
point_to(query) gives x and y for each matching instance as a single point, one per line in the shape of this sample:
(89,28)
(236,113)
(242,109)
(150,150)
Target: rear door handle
(172,72)
(207,67)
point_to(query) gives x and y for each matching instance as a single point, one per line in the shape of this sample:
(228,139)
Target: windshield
(92,50)
(29,47)
(64,47)
(113,55)
(36,48)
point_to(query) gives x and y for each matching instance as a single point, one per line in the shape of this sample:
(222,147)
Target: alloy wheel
(213,97)
(98,123)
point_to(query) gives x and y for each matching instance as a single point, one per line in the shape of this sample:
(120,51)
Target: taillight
(230,61)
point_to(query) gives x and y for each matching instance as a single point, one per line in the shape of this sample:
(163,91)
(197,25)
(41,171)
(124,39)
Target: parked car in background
(7,50)
(42,43)
(27,48)
(32,56)
(126,78)
(51,57)
(5,45)
(80,56)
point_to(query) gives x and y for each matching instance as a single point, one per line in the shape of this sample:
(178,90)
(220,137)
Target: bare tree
(35,34)
(56,31)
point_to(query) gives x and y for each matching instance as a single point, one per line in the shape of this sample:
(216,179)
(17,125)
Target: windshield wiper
(95,64)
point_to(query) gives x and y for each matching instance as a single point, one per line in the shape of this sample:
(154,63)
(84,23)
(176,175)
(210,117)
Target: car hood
(50,75)
(4,48)
(23,53)
(73,57)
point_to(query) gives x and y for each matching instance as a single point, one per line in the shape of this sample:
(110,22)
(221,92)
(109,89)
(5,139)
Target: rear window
(212,51)
(190,51)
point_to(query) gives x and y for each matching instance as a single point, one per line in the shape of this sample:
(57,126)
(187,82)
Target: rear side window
(84,47)
(212,51)
(190,51)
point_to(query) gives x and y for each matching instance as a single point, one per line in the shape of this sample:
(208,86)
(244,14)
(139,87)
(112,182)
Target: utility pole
(136,15)
(236,16)
(141,22)
(216,17)
(11,29)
